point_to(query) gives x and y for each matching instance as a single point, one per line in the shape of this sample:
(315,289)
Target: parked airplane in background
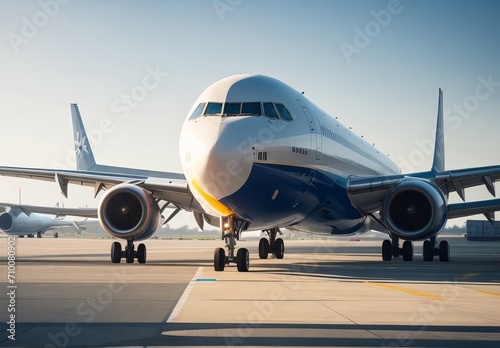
(257,155)
(20,221)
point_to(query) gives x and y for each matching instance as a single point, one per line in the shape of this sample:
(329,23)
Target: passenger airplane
(20,221)
(258,155)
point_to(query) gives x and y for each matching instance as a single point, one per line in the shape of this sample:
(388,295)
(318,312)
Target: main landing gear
(430,249)
(129,254)
(274,246)
(231,230)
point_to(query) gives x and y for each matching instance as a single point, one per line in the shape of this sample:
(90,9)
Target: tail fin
(84,157)
(438,163)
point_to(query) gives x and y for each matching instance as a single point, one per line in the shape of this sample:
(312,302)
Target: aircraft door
(314,129)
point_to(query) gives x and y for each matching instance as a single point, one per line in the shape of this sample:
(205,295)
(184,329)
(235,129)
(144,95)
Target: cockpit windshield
(233,109)
(213,109)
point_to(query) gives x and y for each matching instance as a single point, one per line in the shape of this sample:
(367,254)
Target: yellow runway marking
(409,291)
(489,292)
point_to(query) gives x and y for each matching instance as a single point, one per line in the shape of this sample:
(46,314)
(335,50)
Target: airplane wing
(173,190)
(28,209)
(368,193)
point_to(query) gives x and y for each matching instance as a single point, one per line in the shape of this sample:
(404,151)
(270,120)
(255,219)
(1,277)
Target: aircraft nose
(220,170)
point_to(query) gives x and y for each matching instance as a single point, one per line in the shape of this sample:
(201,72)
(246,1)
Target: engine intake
(415,209)
(128,211)
(6,222)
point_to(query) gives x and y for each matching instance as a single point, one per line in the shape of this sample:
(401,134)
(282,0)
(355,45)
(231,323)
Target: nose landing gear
(231,229)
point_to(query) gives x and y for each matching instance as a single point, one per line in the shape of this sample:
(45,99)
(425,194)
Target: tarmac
(328,293)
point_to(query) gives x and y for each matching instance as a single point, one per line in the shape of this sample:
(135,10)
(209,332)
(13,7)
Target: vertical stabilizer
(84,156)
(438,163)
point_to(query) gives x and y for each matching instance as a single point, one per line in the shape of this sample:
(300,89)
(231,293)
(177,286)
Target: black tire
(444,251)
(219,259)
(279,248)
(386,250)
(129,255)
(56,235)
(116,252)
(407,250)
(141,253)
(428,251)
(243,260)
(263,248)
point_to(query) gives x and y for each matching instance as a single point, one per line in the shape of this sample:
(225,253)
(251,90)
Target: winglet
(438,163)
(84,157)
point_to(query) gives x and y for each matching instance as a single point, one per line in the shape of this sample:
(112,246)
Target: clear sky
(377,65)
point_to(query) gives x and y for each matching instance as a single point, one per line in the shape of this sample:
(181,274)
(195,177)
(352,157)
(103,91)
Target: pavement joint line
(409,291)
(184,297)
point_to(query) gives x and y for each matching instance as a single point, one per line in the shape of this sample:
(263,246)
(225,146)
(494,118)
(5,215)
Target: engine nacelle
(6,222)
(415,209)
(128,211)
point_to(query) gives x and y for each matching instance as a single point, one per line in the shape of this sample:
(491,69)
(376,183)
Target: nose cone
(214,163)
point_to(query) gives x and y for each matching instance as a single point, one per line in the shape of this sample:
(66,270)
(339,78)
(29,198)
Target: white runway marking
(184,297)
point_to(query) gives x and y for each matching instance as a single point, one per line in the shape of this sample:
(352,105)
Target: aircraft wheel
(263,248)
(219,259)
(407,250)
(243,260)
(387,250)
(56,235)
(279,248)
(444,251)
(116,252)
(428,251)
(141,253)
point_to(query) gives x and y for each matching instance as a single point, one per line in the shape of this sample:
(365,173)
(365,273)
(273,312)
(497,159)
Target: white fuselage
(257,149)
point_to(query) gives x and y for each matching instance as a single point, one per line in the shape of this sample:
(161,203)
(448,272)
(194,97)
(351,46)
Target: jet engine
(6,221)
(14,222)
(414,209)
(128,211)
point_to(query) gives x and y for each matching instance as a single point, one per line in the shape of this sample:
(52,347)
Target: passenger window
(270,111)
(251,108)
(198,111)
(232,108)
(284,114)
(213,109)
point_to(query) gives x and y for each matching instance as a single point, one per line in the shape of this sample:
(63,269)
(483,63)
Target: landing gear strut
(274,246)
(231,230)
(129,254)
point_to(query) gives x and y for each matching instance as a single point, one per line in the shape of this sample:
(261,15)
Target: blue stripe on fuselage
(282,195)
